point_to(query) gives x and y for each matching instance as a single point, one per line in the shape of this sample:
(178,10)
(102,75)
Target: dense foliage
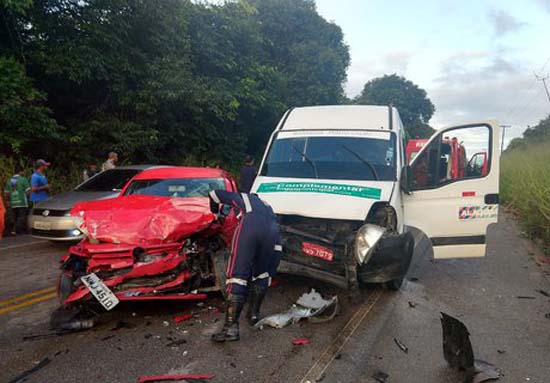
(415,108)
(525,180)
(168,81)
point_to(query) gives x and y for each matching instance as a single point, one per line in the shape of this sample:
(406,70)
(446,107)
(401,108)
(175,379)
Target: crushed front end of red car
(141,247)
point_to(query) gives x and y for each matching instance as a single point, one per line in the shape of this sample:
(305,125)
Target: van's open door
(451,200)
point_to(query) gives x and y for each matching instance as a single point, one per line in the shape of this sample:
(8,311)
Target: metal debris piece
(403,348)
(484,372)
(23,376)
(176,343)
(163,378)
(310,305)
(300,341)
(380,376)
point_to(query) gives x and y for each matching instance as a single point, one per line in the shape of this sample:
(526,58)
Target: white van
(337,178)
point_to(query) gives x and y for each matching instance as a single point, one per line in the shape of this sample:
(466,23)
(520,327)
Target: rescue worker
(255,255)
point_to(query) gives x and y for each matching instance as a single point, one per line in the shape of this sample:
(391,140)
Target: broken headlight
(365,241)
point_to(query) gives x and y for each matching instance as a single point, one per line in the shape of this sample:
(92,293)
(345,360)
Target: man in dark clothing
(248,175)
(255,256)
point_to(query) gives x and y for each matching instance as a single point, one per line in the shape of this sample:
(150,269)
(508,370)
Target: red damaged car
(156,240)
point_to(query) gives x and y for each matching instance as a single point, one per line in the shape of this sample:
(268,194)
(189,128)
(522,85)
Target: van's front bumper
(390,260)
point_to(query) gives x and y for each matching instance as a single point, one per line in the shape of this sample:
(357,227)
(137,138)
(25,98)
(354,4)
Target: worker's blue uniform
(255,250)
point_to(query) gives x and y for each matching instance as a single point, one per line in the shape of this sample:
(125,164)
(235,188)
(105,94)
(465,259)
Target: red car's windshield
(176,187)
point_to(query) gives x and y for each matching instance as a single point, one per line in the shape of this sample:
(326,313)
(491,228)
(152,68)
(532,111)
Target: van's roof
(341,117)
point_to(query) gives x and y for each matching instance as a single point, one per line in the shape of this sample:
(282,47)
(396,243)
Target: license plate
(101,292)
(41,225)
(313,250)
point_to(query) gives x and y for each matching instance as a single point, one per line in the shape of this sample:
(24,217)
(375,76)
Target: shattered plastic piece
(403,348)
(300,341)
(380,376)
(183,317)
(23,376)
(310,305)
(457,349)
(458,352)
(162,378)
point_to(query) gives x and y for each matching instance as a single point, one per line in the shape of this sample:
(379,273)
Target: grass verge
(525,189)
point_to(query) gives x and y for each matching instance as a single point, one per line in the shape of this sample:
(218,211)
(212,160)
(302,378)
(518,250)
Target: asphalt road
(142,339)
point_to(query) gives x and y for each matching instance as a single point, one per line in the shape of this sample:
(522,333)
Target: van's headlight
(365,241)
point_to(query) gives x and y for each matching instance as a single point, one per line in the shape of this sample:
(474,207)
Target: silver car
(51,219)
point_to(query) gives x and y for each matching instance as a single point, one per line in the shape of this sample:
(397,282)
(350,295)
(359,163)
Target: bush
(525,188)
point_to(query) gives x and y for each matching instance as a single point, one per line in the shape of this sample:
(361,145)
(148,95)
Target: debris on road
(176,343)
(545,293)
(525,297)
(23,376)
(123,324)
(164,378)
(310,305)
(300,341)
(458,352)
(183,317)
(380,376)
(412,304)
(403,348)
(547,315)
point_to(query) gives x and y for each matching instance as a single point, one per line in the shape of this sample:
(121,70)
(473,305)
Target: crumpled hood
(141,219)
(317,198)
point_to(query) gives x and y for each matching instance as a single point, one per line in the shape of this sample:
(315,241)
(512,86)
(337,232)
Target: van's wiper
(309,161)
(363,161)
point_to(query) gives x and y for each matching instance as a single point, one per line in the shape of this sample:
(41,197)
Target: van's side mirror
(406,179)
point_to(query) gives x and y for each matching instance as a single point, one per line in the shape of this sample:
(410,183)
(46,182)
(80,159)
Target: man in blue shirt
(40,188)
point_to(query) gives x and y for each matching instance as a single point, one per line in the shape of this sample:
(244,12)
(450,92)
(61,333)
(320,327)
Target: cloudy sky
(474,58)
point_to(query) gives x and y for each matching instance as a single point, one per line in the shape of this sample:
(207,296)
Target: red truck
(453,156)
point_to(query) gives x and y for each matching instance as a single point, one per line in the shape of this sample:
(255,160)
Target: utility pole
(543,79)
(503,127)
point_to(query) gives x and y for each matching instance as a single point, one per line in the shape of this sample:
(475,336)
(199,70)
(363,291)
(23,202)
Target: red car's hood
(141,219)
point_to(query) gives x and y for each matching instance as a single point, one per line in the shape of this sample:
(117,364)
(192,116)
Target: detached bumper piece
(390,261)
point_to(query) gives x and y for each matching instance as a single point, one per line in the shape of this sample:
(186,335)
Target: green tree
(170,81)
(415,108)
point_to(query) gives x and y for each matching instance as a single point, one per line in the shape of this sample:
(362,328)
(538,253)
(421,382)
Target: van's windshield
(363,156)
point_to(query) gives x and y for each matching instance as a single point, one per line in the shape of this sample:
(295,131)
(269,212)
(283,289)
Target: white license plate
(41,225)
(101,292)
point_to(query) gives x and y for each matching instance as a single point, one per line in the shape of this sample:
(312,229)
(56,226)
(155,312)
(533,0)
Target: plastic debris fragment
(310,305)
